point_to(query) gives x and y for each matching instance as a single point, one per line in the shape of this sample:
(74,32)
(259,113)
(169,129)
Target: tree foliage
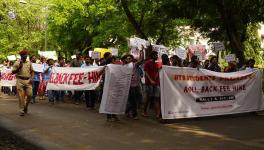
(225,20)
(86,24)
(21,26)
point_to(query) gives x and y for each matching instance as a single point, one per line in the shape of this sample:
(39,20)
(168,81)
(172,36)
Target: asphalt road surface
(66,126)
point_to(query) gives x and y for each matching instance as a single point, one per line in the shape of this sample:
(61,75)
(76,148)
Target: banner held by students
(7,79)
(74,78)
(116,89)
(188,92)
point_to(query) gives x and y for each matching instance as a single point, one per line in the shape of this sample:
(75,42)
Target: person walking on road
(24,73)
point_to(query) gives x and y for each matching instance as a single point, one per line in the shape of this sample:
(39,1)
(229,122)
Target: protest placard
(114,51)
(48,54)
(95,55)
(138,42)
(230,57)
(11,57)
(38,67)
(181,52)
(199,55)
(219,46)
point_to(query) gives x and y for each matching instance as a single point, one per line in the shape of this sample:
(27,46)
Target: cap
(23,52)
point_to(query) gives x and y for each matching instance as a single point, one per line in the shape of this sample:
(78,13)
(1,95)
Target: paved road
(66,126)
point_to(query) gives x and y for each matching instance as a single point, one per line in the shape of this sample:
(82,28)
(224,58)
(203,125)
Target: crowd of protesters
(139,94)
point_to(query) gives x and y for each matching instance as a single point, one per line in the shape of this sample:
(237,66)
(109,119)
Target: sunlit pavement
(68,126)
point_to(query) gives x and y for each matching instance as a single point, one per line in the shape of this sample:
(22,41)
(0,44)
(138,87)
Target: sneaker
(22,114)
(115,119)
(109,119)
(260,113)
(25,110)
(135,118)
(90,108)
(145,115)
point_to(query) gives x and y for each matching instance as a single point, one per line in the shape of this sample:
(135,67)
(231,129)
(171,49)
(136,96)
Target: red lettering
(80,78)
(90,77)
(75,81)
(51,78)
(65,78)
(69,81)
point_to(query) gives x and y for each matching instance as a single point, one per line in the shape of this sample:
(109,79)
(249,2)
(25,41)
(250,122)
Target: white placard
(188,92)
(138,42)
(38,67)
(95,55)
(230,57)
(135,52)
(73,56)
(219,46)
(199,55)
(114,51)
(48,54)
(161,49)
(181,52)
(116,89)
(11,57)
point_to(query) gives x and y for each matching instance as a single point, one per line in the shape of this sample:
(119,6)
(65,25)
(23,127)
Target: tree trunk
(236,46)
(236,42)
(132,20)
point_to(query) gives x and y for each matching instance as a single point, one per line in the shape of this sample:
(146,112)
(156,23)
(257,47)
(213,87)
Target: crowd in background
(140,94)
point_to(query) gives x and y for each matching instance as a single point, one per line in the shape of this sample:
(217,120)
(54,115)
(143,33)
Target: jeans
(133,100)
(35,86)
(90,97)
(50,95)
(59,95)
(78,96)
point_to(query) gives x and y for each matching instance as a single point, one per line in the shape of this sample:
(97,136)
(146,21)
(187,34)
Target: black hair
(212,59)
(107,54)
(153,54)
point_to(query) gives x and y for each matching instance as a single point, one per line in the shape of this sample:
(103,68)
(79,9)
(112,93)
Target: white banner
(7,79)
(74,78)
(188,92)
(116,89)
(38,67)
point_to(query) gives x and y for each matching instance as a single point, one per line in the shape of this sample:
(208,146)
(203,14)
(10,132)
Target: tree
(224,20)
(21,26)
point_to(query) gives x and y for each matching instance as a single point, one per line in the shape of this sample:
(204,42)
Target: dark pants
(133,101)
(59,95)
(78,96)
(90,97)
(35,86)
